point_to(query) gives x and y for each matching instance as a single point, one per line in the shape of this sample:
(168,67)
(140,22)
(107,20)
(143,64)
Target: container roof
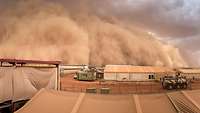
(136,69)
(189,70)
(20,61)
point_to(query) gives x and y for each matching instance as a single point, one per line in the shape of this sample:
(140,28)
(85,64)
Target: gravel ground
(69,84)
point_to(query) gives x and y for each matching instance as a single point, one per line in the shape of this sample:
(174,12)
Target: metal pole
(58,77)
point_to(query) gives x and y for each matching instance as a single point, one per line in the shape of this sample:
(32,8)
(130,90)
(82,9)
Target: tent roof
(49,101)
(189,70)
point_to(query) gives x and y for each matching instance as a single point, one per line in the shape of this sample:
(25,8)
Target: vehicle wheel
(178,86)
(170,87)
(184,86)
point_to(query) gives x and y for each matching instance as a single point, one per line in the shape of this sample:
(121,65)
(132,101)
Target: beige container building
(136,73)
(193,73)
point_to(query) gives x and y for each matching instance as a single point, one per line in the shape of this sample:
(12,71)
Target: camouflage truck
(86,74)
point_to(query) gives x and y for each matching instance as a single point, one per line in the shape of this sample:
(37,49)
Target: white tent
(20,83)
(6,85)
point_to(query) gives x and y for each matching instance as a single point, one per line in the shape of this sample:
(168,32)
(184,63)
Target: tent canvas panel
(49,101)
(107,104)
(21,83)
(6,86)
(27,81)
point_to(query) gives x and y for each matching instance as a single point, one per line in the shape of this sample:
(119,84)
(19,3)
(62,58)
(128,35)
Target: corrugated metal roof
(190,70)
(136,69)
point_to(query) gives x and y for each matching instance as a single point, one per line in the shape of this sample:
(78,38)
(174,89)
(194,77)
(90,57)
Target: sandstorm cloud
(88,32)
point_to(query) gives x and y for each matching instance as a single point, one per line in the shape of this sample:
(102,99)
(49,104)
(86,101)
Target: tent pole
(58,77)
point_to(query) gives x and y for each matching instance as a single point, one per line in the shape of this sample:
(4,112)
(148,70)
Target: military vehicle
(87,73)
(175,82)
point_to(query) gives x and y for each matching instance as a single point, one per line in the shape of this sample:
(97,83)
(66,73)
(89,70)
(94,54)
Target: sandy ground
(196,85)
(69,84)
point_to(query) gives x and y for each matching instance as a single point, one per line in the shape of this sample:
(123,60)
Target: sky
(176,22)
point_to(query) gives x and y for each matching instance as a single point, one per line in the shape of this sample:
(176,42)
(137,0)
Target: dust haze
(51,31)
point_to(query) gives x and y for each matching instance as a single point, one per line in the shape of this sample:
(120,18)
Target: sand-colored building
(135,73)
(193,73)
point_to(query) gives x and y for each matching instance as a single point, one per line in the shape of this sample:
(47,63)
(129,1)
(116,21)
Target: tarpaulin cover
(50,101)
(6,83)
(20,83)
(46,101)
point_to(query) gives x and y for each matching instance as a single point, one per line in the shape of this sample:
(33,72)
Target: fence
(116,87)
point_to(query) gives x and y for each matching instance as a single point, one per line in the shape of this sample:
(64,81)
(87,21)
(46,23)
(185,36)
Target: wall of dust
(45,33)
(52,32)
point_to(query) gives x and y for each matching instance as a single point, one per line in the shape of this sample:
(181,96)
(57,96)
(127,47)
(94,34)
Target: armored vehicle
(86,74)
(175,82)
